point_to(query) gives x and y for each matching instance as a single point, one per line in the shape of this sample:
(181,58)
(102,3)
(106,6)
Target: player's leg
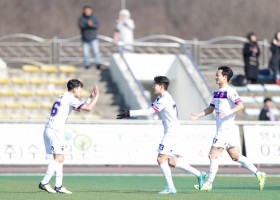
(162,160)
(44,184)
(214,154)
(235,155)
(59,175)
(180,163)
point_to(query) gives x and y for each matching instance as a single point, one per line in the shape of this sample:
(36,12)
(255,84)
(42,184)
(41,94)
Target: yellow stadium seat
(4,81)
(30,68)
(25,93)
(46,105)
(37,81)
(68,69)
(19,81)
(59,92)
(49,68)
(85,93)
(43,93)
(91,116)
(57,81)
(7,93)
(13,105)
(31,105)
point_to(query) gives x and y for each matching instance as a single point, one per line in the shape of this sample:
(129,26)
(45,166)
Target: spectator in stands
(124,30)
(251,53)
(274,63)
(266,112)
(89,24)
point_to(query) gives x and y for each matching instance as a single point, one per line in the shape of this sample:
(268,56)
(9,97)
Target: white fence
(133,142)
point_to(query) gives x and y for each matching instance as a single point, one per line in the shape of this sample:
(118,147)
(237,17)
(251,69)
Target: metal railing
(25,48)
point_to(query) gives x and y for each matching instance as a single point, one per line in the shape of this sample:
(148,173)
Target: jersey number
(55,107)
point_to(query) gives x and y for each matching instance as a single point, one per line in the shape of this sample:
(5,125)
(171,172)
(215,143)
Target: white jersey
(167,108)
(225,99)
(61,109)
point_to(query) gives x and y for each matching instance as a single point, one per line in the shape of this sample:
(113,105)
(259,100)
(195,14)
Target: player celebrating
(168,154)
(54,135)
(226,102)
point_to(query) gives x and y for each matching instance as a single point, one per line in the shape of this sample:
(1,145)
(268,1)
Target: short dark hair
(86,7)
(267,99)
(162,80)
(226,71)
(74,83)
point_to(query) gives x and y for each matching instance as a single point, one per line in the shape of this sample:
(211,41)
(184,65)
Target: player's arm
(134,113)
(91,102)
(205,112)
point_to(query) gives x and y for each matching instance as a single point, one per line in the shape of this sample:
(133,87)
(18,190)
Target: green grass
(138,187)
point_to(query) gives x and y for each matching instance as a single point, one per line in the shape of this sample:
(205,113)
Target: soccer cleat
(46,187)
(168,190)
(207,186)
(200,179)
(62,190)
(261,179)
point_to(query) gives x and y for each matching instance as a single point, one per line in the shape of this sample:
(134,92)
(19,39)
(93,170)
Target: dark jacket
(251,60)
(88,33)
(274,63)
(264,115)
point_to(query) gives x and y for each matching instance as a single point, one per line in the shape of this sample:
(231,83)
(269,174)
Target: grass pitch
(138,188)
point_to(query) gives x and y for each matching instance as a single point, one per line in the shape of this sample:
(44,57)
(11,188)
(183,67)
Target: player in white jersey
(54,131)
(225,102)
(168,152)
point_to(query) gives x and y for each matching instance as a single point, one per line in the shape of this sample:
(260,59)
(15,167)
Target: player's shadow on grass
(117,191)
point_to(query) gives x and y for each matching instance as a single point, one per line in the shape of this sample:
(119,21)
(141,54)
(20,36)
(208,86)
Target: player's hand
(194,116)
(124,114)
(90,23)
(95,91)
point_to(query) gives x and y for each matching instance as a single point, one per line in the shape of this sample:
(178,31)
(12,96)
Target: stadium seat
(252,111)
(57,81)
(43,93)
(31,105)
(276,99)
(4,81)
(37,81)
(13,105)
(25,93)
(241,88)
(272,87)
(85,93)
(31,68)
(49,69)
(67,69)
(19,81)
(259,99)
(248,99)
(255,88)
(91,116)
(46,105)
(7,93)
(275,111)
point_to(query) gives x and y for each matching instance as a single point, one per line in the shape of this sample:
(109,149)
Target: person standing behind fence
(274,63)
(251,53)
(89,24)
(124,29)
(266,112)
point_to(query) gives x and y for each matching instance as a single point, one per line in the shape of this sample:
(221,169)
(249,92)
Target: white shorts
(54,141)
(170,145)
(225,138)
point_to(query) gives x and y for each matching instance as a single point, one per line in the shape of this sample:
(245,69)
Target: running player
(54,131)
(168,154)
(226,102)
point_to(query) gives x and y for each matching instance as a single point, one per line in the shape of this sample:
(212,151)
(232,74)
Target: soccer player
(168,153)
(54,134)
(226,102)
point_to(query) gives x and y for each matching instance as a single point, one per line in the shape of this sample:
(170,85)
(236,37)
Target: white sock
(167,174)
(248,165)
(59,175)
(213,169)
(50,171)
(182,165)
